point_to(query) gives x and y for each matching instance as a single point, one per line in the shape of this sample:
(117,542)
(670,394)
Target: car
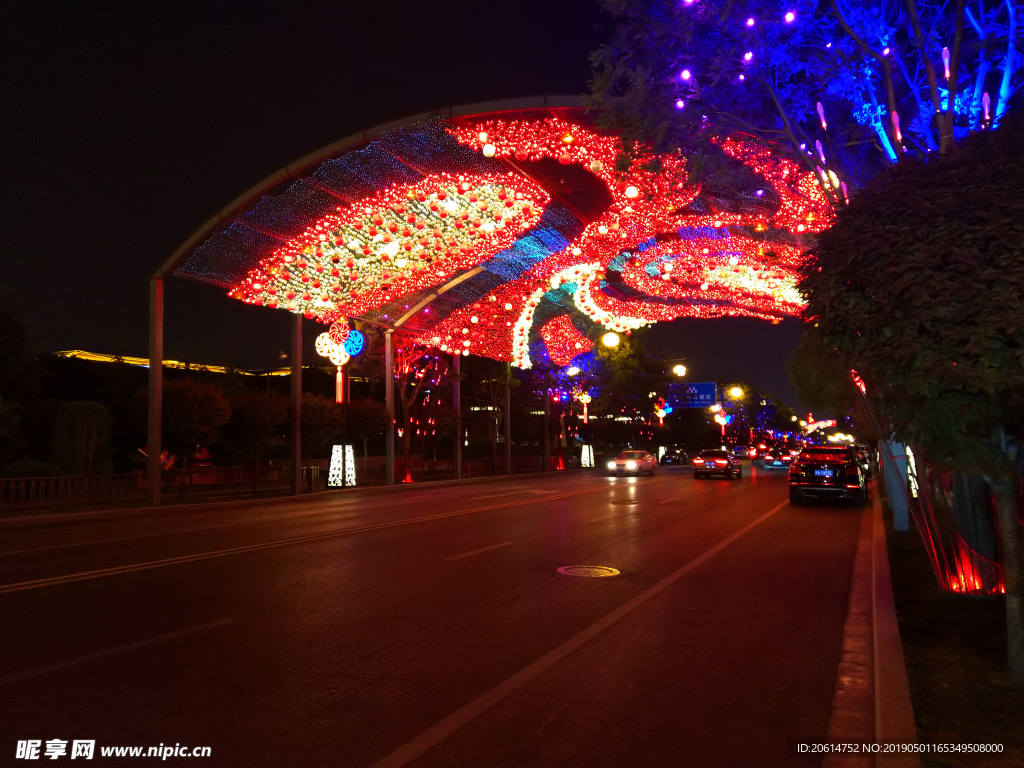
(827,472)
(758,454)
(741,451)
(633,463)
(717,462)
(777,459)
(675,457)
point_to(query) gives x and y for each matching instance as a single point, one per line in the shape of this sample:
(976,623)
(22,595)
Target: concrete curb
(372,490)
(872,695)
(894,711)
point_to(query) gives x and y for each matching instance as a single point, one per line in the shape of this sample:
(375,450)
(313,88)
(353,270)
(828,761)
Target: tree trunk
(1005,497)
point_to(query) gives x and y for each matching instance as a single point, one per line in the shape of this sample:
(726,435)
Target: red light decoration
(563,341)
(675,258)
(401,240)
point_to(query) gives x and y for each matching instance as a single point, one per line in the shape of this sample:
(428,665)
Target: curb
(872,695)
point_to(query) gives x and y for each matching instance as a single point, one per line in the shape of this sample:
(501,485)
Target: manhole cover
(592,571)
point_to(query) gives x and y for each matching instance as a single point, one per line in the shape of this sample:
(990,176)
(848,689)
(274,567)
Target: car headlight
(630,465)
(611,465)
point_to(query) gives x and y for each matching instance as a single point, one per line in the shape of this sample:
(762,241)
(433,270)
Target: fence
(30,492)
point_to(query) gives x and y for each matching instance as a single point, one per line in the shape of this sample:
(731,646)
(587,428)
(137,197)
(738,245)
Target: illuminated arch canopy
(508,232)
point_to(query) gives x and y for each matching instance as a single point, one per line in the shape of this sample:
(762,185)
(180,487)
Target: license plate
(823,473)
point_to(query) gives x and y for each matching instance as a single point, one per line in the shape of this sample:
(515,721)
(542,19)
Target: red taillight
(752,454)
(698,461)
(721,462)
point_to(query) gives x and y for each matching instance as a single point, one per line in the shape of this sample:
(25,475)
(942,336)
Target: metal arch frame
(235,207)
(304,163)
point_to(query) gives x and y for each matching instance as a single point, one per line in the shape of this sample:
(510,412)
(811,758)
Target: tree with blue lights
(846,86)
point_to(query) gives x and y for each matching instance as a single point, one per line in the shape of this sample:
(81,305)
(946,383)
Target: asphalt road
(431,626)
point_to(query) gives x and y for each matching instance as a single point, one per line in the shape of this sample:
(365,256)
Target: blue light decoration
(355,343)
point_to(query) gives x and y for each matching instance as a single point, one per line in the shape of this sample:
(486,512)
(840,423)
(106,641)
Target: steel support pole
(457,405)
(389,400)
(154,444)
(508,420)
(547,429)
(296,405)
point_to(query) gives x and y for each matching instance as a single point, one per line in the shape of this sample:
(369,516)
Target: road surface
(430,626)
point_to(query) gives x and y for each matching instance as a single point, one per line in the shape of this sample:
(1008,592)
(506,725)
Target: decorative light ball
(355,343)
(596,166)
(488,150)
(610,339)
(474,319)
(750,21)
(748,56)
(680,104)
(572,370)
(508,306)
(632,191)
(685,74)
(734,260)
(790,17)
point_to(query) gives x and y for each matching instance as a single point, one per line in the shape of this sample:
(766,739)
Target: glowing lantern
(610,339)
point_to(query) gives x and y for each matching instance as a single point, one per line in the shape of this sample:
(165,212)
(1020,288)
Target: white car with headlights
(633,463)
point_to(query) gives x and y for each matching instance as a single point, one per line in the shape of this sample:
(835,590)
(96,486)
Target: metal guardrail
(71,489)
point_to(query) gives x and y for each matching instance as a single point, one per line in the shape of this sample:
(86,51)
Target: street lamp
(679,370)
(610,339)
(736,392)
(792,418)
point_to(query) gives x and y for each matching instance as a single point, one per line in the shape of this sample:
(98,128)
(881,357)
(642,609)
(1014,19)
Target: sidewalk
(872,696)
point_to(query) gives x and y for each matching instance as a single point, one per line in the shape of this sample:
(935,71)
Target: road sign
(699,394)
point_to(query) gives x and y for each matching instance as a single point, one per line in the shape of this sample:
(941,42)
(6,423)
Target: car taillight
(752,454)
(698,461)
(721,462)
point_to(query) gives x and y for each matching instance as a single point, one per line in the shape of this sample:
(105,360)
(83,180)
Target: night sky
(127,125)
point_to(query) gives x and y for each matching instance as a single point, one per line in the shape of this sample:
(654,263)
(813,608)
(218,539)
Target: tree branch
(890,91)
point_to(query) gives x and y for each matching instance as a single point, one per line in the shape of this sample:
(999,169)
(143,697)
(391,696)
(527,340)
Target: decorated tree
(920,287)
(846,86)
(419,373)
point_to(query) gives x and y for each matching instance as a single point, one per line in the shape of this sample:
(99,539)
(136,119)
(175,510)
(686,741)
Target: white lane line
(613,514)
(120,569)
(506,493)
(111,651)
(478,551)
(442,730)
(670,498)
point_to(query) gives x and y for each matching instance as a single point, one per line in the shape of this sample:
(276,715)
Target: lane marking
(338,507)
(478,551)
(111,651)
(446,727)
(613,514)
(507,493)
(98,574)
(670,498)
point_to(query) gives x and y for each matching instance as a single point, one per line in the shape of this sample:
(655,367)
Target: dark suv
(834,473)
(717,463)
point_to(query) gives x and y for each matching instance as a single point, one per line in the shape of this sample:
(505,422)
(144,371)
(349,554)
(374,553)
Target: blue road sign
(699,394)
